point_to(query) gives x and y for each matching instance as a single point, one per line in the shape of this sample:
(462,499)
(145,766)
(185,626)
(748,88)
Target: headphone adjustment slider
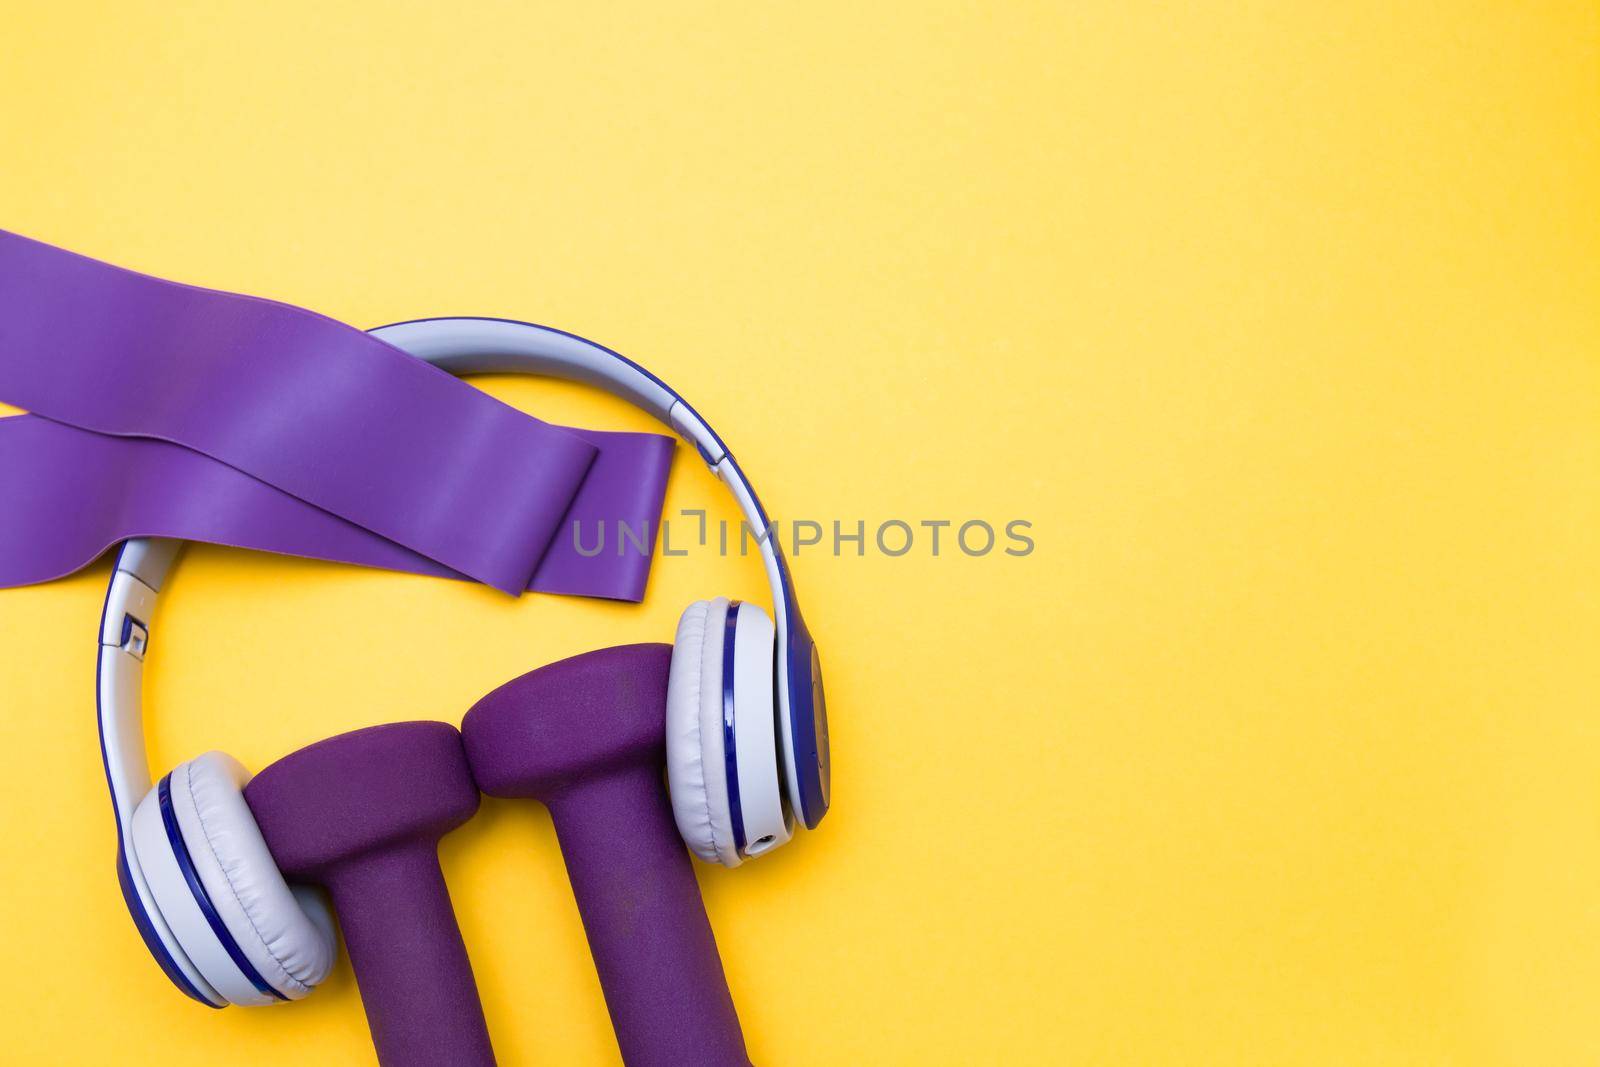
(135,637)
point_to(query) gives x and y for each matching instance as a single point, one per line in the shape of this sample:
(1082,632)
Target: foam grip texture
(362,814)
(586,736)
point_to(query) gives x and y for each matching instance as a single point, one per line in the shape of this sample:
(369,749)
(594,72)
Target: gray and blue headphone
(746,730)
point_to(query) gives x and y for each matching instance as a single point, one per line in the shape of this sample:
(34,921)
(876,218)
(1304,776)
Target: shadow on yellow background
(1278,322)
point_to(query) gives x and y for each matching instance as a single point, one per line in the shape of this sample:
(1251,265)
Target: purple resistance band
(162,409)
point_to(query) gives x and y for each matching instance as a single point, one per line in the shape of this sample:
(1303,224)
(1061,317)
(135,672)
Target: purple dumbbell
(586,737)
(362,814)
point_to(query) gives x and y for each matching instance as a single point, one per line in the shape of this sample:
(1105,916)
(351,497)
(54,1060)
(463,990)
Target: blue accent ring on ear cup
(180,852)
(730,745)
(152,940)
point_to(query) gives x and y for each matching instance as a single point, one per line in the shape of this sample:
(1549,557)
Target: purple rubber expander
(362,814)
(166,410)
(587,737)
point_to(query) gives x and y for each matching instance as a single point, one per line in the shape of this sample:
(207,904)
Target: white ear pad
(285,935)
(695,774)
(697,765)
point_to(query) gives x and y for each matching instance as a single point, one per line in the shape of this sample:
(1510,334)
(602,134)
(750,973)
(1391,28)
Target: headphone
(746,726)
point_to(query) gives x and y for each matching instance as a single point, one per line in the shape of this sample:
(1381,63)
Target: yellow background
(1278,321)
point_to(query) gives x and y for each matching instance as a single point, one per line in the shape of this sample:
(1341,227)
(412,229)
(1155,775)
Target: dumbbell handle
(647,926)
(410,962)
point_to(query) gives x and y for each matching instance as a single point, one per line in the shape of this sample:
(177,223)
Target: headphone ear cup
(695,762)
(166,898)
(252,937)
(761,815)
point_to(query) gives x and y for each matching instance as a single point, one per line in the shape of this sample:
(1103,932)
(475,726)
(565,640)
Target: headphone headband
(481,346)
